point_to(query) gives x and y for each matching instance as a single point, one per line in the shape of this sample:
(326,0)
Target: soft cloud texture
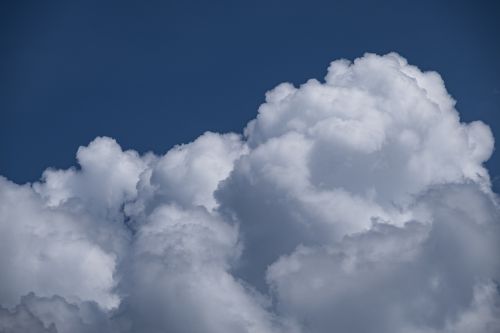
(357,204)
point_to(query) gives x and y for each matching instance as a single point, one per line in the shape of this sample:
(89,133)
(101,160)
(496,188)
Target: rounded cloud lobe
(355,204)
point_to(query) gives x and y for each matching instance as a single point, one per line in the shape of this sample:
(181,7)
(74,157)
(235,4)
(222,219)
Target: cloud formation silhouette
(356,204)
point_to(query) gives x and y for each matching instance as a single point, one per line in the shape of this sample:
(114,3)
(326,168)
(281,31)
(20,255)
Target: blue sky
(157,74)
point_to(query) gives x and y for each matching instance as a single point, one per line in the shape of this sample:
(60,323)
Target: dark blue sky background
(153,74)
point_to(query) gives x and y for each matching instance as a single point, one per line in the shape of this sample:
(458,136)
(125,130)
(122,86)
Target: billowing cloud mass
(355,204)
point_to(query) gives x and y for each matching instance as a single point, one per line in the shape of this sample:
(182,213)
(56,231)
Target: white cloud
(51,251)
(179,267)
(189,174)
(356,204)
(422,275)
(361,145)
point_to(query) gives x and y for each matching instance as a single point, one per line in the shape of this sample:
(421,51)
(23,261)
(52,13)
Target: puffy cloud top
(356,204)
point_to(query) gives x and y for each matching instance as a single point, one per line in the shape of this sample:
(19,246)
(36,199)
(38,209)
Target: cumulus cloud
(355,204)
(45,250)
(398,279)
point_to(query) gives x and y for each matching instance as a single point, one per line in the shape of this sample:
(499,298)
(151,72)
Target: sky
(274,167)
(70,71)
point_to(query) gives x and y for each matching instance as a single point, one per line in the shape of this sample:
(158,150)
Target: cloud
(398,279)
(53,251)
(361,145)
(54,314)
(356,204)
